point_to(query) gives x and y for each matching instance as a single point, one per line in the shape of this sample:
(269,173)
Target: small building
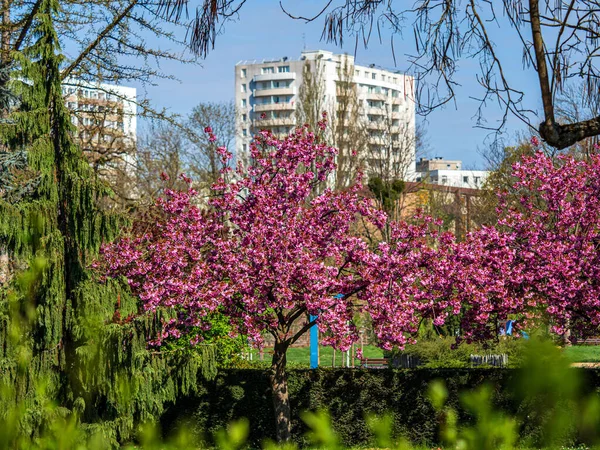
(437,163)
(447,172)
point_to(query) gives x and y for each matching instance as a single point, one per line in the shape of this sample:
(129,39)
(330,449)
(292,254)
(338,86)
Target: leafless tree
(159,161)
(346,130)
(201,156)
(167,150)
(347,127)
(393,149)
(311,94)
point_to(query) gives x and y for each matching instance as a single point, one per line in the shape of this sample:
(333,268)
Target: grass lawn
(583,353)
(301,355)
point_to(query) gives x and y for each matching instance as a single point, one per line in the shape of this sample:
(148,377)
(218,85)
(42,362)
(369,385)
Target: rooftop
(311,54)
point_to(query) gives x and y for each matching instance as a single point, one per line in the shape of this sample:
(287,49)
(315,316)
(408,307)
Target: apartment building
(105,119)
(449,173)
(267,96)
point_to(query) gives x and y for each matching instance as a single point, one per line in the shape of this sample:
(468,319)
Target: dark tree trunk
(279,389)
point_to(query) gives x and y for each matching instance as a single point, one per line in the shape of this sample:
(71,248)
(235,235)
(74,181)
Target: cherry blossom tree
(541,262)
(267,254)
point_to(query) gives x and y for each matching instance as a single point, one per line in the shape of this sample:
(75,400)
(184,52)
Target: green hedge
(348,395)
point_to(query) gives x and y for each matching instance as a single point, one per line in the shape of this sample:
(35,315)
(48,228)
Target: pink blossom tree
(541,262)
(268,253)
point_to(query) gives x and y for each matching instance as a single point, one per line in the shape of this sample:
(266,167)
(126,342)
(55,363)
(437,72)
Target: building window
(244,132)
(367,74)
(357,73)
(447,166)
(244,147)
(268,70)
(244,103)
(395,122)
(374,75)
(477,180)
(243,88)
(395,108)
(395,81)
(466,180)
(444,179)
(244,117)
(283,69)
(243,73)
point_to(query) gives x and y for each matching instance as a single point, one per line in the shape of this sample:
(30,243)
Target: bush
(439,352)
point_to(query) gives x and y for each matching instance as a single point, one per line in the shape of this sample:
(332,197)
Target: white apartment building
(449,173)
(105,118)
(267,96)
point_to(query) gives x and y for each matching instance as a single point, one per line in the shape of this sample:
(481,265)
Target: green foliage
(492,430)
(227,349)
(421,406)
(386,192)
(7,97)
(65,362)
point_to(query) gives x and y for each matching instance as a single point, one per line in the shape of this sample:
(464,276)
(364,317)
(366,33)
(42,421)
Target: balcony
(375,96)
(284,121)
(274,91)
(274,107)
(274,76)
(376,111)
(381,125)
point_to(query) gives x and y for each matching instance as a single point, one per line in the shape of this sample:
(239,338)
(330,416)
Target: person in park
(273,248)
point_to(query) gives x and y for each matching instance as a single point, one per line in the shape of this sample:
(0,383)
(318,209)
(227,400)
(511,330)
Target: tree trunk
(279,389)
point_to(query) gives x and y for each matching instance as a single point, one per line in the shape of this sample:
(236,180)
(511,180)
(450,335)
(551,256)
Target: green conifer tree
(58,326)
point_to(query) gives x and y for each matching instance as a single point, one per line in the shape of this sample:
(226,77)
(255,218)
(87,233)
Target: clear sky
(264,31)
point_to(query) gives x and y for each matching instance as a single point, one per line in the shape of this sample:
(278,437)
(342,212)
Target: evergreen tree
(57,324)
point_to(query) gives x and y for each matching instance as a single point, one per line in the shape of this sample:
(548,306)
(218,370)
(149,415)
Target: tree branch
(98,39)
(540,56)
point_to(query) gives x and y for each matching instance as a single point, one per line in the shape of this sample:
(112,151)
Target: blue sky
(263,31)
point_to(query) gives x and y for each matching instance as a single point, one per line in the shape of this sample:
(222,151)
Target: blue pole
(314,344)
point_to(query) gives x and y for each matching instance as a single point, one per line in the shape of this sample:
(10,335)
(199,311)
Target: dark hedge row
(348,395)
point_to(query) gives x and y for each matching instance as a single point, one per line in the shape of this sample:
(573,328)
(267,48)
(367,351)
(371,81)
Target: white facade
(82,97)
(271,87)
(472,179)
